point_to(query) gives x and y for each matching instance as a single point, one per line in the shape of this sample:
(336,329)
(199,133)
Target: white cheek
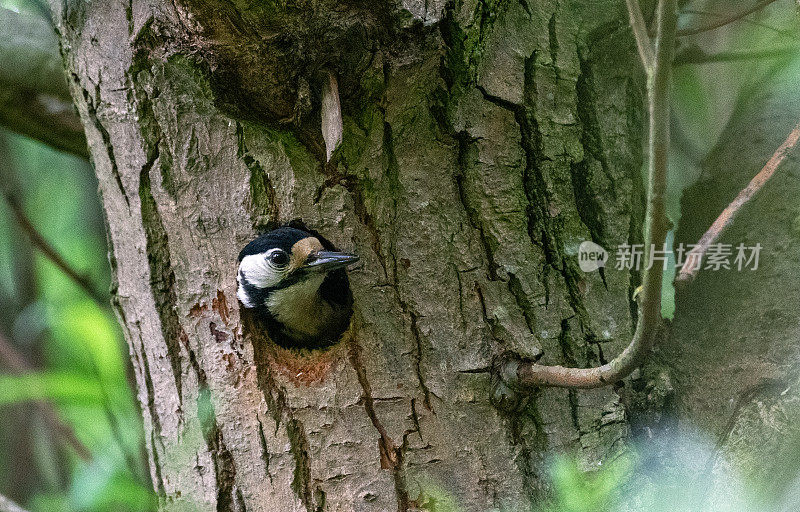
(243,296)
(258,272)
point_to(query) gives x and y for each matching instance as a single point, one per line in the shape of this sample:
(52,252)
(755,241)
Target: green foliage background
(75,345)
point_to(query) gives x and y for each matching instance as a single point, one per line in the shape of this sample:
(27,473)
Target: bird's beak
(325,261)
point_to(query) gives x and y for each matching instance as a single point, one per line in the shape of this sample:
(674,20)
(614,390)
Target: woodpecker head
(296,282)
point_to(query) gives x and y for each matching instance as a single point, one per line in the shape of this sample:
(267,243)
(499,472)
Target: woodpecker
(296,283)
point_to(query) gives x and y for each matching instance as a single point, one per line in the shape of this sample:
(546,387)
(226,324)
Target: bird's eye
(279,258)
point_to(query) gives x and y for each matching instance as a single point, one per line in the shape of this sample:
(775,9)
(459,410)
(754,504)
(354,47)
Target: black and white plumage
(296,283)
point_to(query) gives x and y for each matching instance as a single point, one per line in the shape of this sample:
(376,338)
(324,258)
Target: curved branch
(34,97)
(721,22)
(649,322)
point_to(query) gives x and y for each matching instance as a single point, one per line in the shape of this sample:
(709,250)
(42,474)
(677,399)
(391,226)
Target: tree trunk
(483,142)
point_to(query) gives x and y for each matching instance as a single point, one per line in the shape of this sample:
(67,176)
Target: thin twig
(691,266)
(6,505)
(696,56)
(721,22)
(17,363)
(44,246)
(639,27)
(784,33)
(649,321)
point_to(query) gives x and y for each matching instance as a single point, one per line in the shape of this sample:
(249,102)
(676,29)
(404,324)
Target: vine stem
(656,225)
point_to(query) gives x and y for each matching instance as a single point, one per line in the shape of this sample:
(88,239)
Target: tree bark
(483,142)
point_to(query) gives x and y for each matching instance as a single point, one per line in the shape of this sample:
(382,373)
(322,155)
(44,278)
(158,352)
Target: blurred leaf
(90,333)
(580,491)
(128,494)
(50,503)
(99,489)
(53,386)
(692,102)
(90,482)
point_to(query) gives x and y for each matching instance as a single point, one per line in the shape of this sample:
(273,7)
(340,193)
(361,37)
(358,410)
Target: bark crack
(473,216)
(521,298)
(392,172)
(426,393)
(567,354)
(91,110)
(391,455)
(162,277)
(455,42)
(553,41)
(229,497)
(542,229)
(313,499)
(155,433)
(528,444)
(265,456)
(589,208)
(351,184)
(491,322)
